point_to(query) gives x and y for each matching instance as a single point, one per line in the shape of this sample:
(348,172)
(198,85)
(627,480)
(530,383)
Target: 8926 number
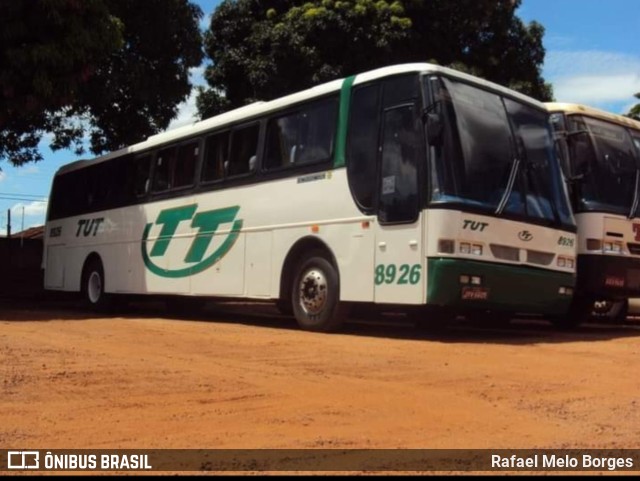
(392,274)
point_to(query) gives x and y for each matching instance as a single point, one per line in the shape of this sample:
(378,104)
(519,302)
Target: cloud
(598,78)
(187,110)
(32,209)
(589,61)
(3,176)
(28,170)
(597,89)
(187,113)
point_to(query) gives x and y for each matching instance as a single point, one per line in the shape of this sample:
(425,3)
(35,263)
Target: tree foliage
(262,49)
(112,70)
(486,36)
(634,112)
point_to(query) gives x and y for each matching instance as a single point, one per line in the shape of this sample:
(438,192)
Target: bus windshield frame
(604,160)
(495,155)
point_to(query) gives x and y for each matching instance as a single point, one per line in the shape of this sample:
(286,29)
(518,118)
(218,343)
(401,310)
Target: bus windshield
(495,155)
(606,161)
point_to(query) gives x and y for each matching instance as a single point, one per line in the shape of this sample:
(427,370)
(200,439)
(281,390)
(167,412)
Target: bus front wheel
(93,286)
(613,312)
(316,295)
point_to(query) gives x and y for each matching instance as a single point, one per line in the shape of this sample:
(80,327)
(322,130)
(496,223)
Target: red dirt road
(247,378)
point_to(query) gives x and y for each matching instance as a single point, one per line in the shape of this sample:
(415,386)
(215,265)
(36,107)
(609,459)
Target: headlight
(614,247)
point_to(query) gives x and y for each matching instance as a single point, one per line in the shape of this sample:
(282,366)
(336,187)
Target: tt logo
(206,223)
(525,235)
(636,232)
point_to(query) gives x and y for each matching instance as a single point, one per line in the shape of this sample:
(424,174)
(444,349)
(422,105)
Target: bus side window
(164,172)
(282,137)
(317,128)
(215,156)
(142,167)
(185,166)
(244,145)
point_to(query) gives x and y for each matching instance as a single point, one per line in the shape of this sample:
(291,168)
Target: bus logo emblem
(206,222)
(525,235)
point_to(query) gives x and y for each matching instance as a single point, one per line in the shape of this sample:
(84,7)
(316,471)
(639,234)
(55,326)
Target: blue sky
(593,57)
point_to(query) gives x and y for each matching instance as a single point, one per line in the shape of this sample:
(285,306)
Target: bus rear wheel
(316,295)
(93,286)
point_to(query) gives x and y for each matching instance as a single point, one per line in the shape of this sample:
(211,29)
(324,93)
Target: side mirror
(435,128)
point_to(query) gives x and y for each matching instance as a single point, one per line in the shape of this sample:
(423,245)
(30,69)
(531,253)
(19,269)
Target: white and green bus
(408,186)
(601,162)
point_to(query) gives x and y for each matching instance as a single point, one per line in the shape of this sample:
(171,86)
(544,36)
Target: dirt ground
(246,377)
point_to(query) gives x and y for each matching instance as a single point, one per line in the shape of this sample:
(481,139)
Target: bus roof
(256,109)
(574,109)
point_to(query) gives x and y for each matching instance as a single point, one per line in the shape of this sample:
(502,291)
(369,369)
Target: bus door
(398,271)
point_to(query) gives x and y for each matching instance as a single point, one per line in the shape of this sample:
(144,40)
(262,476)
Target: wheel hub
(94,287)
(313,291)
(602,306)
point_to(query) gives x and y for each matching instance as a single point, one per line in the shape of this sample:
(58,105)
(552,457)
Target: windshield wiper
(512,180)
(634,204)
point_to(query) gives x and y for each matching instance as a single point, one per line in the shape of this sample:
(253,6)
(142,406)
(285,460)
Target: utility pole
(8,222)
(22,230)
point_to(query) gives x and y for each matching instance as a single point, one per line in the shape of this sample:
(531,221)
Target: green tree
(486,36)
(634,112)
(112,70)
(262,49)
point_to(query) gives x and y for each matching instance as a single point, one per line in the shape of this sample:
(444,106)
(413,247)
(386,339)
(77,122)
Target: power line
(23,199)
(23,195)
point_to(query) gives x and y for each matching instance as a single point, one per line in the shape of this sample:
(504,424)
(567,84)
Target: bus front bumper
(501,287)
(608,276)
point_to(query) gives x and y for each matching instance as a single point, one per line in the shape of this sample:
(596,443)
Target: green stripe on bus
(343,120)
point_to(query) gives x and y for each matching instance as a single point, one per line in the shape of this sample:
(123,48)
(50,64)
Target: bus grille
(505,252)
(541,258)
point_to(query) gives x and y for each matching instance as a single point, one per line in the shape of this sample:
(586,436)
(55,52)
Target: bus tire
(316,295)
(93,286)
(611,312)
